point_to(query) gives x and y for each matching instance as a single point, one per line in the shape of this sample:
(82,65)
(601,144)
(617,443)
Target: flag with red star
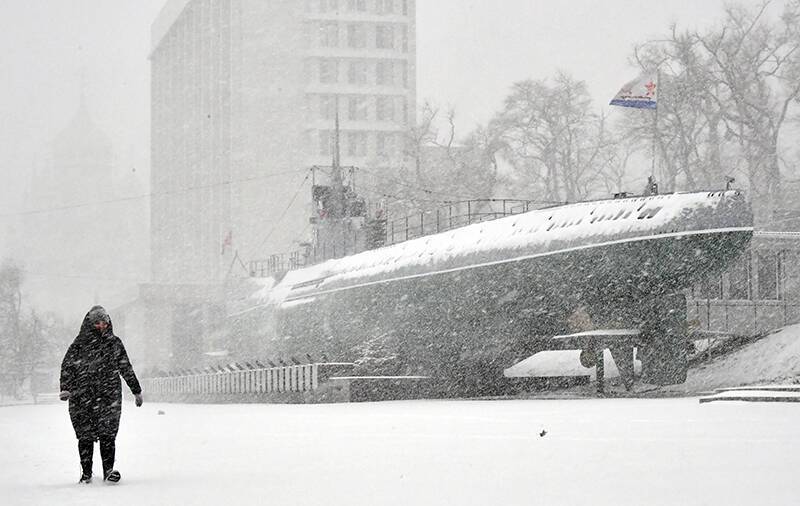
(227,242)
(640,93)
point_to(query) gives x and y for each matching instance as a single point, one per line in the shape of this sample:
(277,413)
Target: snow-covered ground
(594,452)
(772,359)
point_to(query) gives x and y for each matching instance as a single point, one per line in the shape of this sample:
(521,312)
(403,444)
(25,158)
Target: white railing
(293,378)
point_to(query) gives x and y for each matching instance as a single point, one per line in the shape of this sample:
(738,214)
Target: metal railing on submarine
(382,232)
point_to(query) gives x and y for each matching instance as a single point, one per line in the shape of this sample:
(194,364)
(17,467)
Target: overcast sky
(469,53)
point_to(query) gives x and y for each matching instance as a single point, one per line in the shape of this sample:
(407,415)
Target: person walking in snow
(90,382)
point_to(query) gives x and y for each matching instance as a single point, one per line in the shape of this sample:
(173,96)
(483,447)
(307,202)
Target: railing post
(437,220)
(300,375)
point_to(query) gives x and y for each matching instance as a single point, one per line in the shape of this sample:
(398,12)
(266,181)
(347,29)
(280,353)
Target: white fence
(295,378)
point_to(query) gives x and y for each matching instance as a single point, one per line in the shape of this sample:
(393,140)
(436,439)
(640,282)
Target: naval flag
(639,93)
(228,241)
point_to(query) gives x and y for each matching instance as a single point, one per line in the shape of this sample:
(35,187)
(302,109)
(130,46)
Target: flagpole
(642,93)
(655,123)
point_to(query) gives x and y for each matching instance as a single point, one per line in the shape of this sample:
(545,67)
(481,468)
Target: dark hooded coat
(90,372)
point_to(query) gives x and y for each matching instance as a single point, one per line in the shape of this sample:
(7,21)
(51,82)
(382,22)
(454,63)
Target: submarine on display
(462,306)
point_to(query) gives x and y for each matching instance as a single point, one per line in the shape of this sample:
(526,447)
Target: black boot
(112,476)
(107,453)
(85,450)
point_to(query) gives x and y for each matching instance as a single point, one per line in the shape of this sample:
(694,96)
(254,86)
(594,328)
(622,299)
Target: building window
(384,6)
(326,142)
(328,5)
(769,267)
(329,34)
(405,7)
(384,108)
(327,106)
(356,36)
(357,108)
(328,71)
(384,73)
(357,143)
(308,71)
(404,119)
(384,37)
(404,35)
(739,276)
(404,66)
(357,5)
(384,144)
(357,72)
(711,288)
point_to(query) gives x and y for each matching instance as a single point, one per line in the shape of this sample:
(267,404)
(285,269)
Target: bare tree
(687,119)
(11,341)
(476,170)
(724,98)
(754,64)
(616,170)
(421,135)
(442,169)
(557,146)
(28,341)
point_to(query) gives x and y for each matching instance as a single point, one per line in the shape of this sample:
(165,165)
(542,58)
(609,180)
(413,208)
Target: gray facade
(759,292)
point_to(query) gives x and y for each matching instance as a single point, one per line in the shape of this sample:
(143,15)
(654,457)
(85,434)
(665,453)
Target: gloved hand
(64,395)
(139,400)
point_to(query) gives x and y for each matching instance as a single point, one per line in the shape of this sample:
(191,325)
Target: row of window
(357,143)
(362,72)
(741,285)
(361,35)
(360,107)
(382,7)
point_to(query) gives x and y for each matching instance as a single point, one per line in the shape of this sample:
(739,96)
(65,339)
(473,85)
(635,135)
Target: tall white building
(244,97)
